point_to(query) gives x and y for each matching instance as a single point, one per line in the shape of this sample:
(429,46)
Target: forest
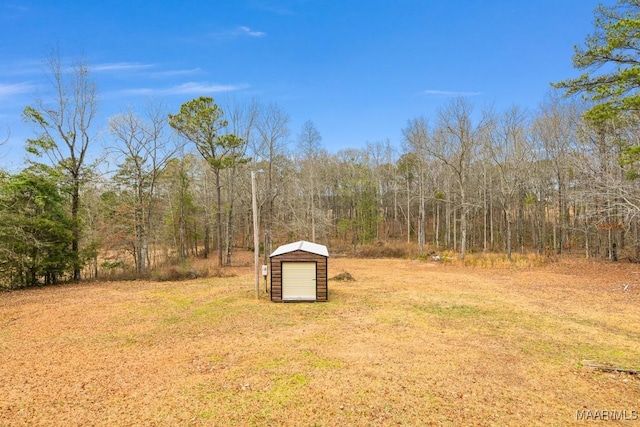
(177,184)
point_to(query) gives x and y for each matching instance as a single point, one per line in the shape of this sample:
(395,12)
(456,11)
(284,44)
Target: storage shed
(299,272)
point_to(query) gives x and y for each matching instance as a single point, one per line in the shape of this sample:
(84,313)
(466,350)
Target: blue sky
(358,69)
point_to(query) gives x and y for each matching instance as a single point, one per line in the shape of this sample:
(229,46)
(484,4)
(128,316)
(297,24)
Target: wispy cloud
(8,90)
(121,66)
(21,67)
(251,33)
(13,7)
(238,32)
(449,93)
(190,88)
(173,73)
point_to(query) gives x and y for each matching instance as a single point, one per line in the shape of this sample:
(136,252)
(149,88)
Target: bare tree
(407,167)
(416,135)
(609,188)
(273,130)
(554,129)
(309,145)
(145,150)
(382,163)
(510,154)
(175,187)
(455,144)
(63,122)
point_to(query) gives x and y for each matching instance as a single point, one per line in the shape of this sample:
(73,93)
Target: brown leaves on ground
(408,343)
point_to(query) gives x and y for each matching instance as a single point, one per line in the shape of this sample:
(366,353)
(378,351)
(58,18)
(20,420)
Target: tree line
(559,179)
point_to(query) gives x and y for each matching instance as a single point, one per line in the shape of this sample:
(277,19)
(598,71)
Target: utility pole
(256,235)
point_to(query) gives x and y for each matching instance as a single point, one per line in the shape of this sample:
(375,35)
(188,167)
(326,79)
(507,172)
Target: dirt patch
(408,343)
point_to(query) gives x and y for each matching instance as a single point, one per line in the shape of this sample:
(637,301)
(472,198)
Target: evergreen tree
(611,62)
(35,231)
(199,121)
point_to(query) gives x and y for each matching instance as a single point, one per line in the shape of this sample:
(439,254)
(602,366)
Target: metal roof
(302,245)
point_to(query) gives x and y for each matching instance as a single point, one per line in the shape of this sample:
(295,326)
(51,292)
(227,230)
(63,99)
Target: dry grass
(407,343)
(493,260)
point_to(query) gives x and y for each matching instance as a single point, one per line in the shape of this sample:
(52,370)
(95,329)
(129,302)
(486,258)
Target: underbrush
(171,272)
(386,250)
(499,260)
(430,254)
(181,271)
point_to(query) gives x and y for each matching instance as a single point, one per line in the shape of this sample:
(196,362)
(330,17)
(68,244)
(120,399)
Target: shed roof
(302,245)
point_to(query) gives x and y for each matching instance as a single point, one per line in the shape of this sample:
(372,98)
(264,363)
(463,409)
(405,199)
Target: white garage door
(299,281)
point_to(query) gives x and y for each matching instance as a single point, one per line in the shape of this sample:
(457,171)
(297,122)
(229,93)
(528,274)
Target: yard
(407,343)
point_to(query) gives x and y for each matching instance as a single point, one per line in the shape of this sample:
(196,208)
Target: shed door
(299,281)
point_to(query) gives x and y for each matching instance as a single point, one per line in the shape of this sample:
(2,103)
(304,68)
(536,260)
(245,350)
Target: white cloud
(7,90)
(249,32)
(134,66)
(190,88)
(241,31)
(171,73)
(449,93)
(14,6)
(21,68)
(195,88)
(12,10)
(121,66)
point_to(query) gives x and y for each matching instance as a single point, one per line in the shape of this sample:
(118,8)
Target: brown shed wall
(322,288)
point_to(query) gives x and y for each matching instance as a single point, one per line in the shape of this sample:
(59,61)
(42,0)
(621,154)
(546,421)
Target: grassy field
(407,343)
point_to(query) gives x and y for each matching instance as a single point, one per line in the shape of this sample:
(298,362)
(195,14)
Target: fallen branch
(607,368)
